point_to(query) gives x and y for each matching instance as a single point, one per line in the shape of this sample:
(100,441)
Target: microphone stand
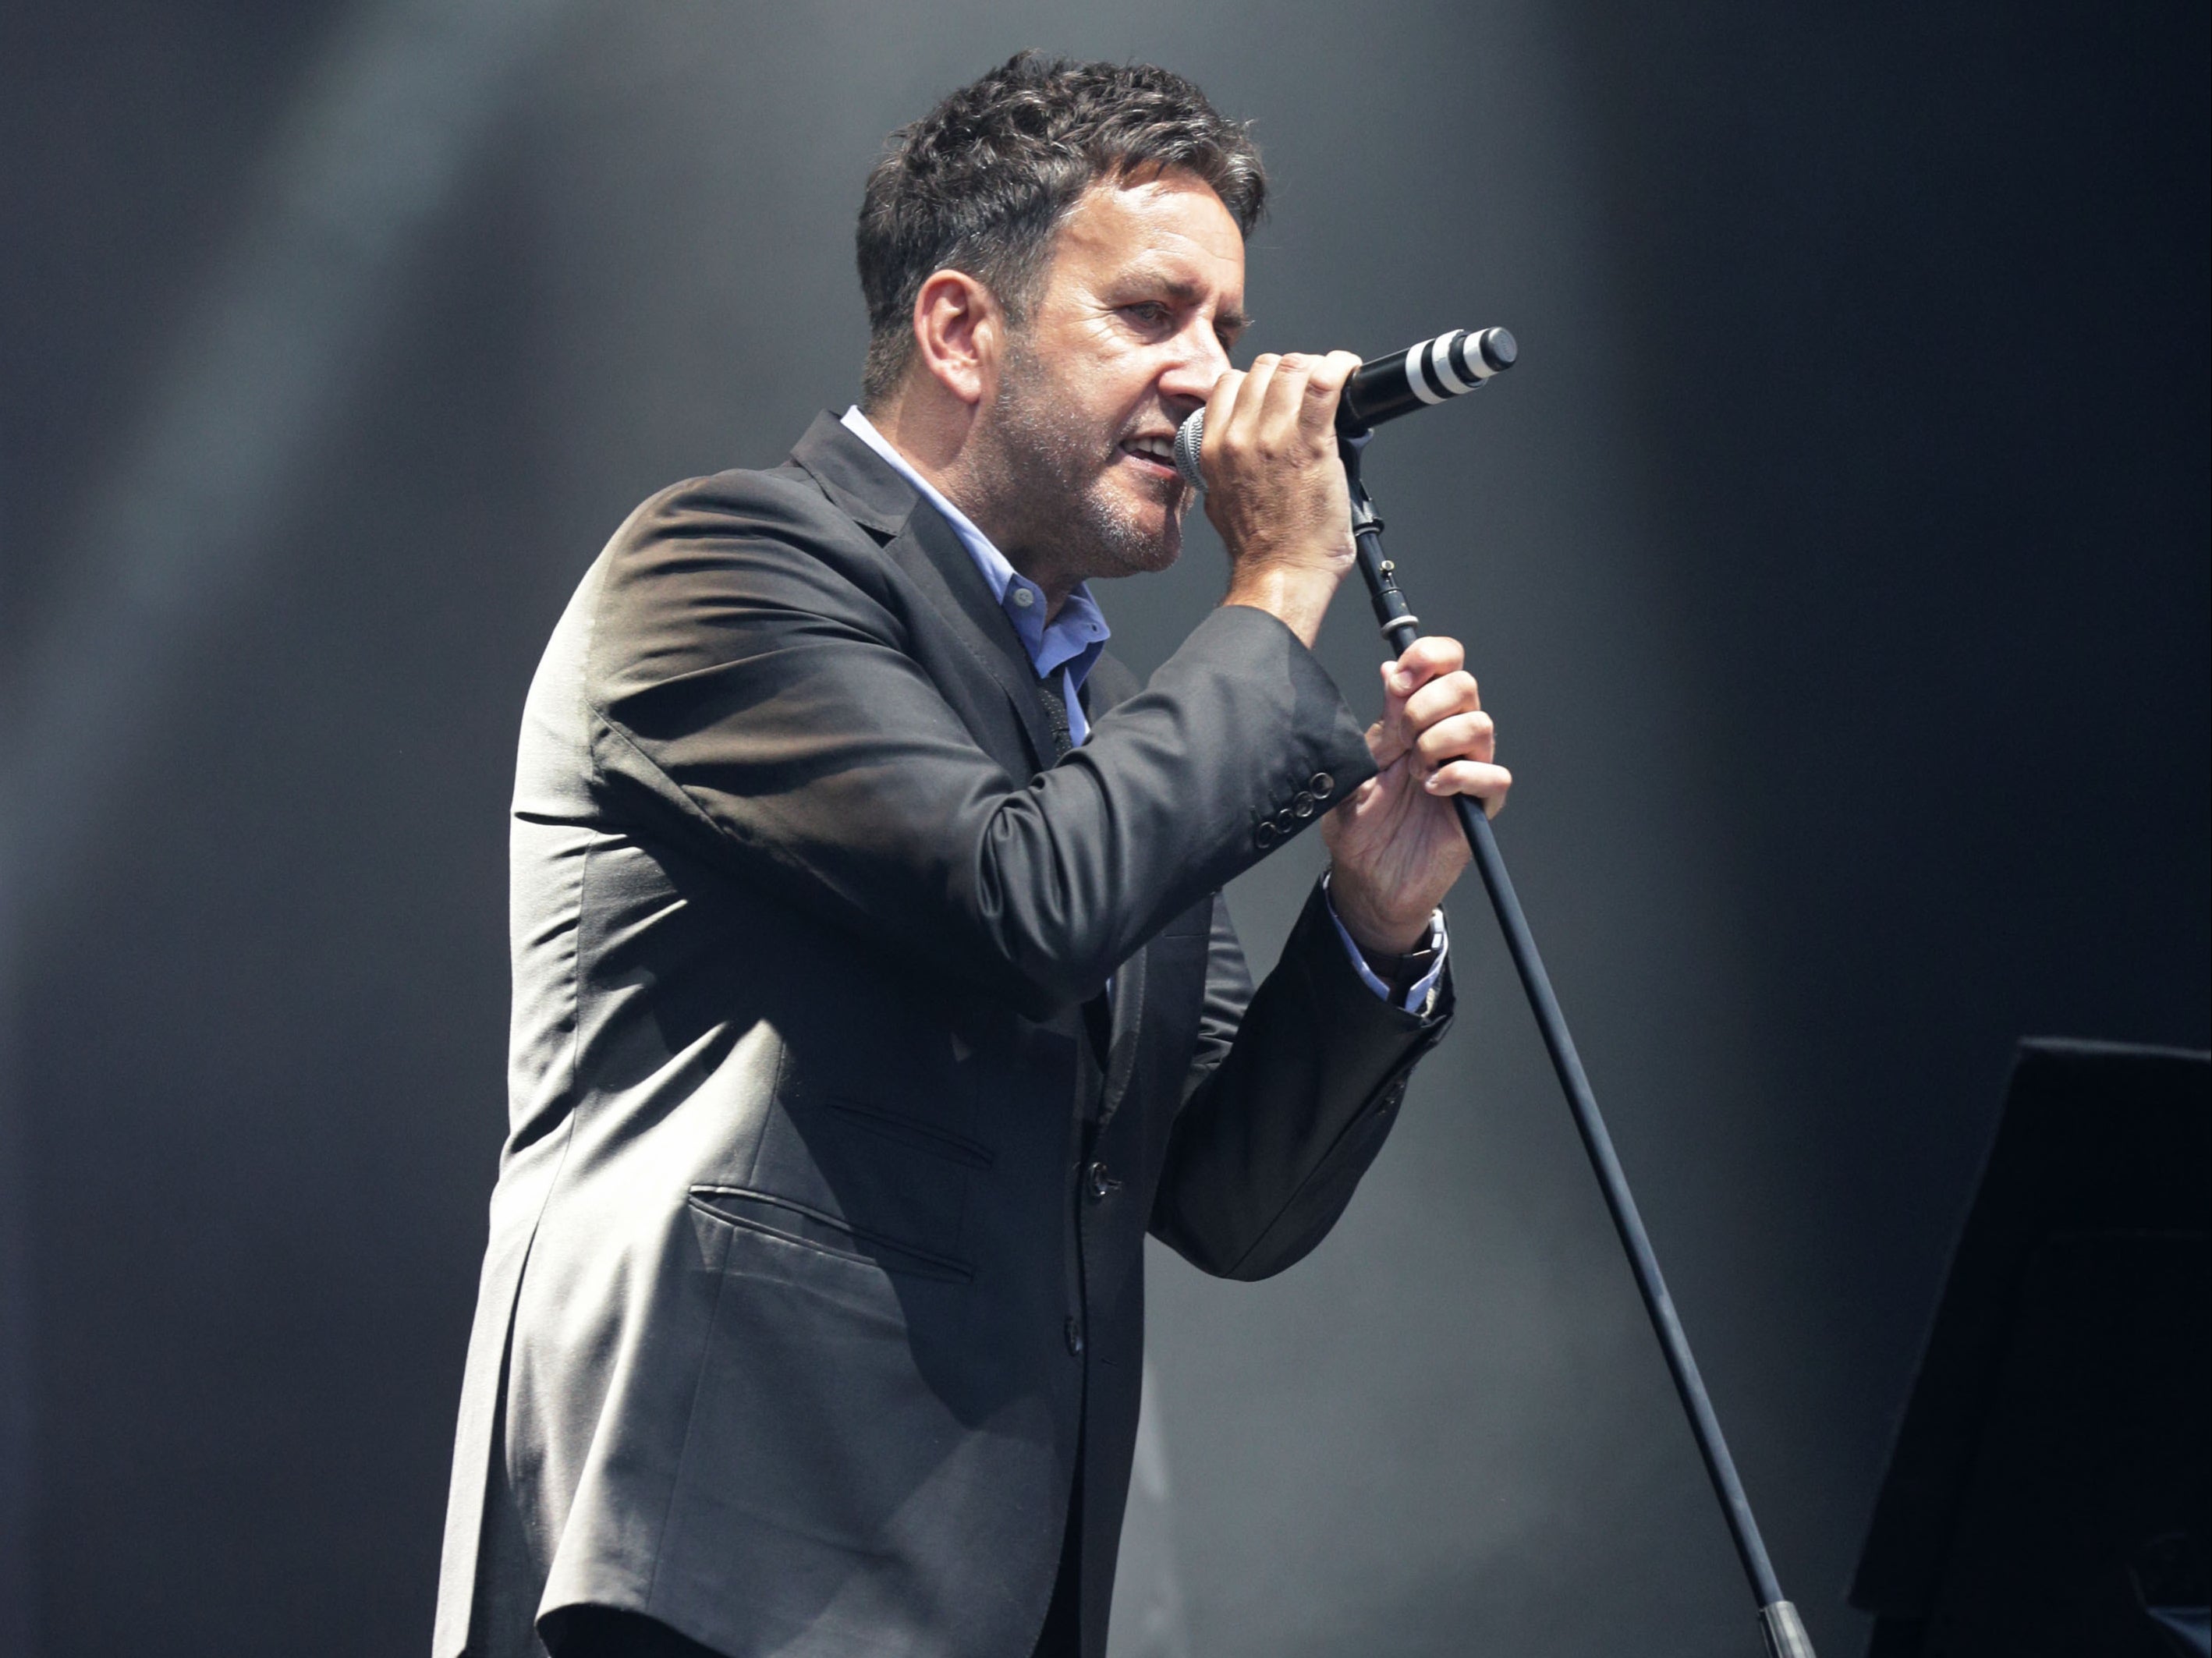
(1777,1619)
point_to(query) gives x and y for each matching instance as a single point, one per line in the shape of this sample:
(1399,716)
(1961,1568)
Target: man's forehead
(1169,231)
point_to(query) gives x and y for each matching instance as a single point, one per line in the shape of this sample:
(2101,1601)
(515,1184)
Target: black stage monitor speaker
(2048,1492)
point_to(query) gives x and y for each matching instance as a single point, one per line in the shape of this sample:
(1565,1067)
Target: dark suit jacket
(816,1248)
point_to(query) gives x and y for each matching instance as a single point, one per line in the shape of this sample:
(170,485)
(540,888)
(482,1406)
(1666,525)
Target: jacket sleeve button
(1323,785)
(1263,836)
(1303,806)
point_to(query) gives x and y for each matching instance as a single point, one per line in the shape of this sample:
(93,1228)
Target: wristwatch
(1402,972)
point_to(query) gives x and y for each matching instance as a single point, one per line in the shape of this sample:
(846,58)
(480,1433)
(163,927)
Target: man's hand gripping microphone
(1384,388)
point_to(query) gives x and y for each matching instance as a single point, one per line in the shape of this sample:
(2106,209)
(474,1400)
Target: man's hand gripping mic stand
(1777,1619)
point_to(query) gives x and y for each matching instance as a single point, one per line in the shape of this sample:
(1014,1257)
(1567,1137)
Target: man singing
(873,991)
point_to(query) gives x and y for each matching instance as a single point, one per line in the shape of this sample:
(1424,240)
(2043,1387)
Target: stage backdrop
(1834,563)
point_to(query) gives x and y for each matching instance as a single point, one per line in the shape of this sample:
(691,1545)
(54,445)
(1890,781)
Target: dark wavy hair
(982,182)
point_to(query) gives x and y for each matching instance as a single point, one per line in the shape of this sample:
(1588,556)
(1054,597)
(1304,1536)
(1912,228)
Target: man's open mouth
(1154,452)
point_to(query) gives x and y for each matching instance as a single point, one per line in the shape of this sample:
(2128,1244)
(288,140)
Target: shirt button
(1024,597)
(1323,785)
(1303,805)
(1073,1332)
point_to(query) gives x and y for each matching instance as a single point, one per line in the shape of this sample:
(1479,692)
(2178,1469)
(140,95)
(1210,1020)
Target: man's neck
(937,438)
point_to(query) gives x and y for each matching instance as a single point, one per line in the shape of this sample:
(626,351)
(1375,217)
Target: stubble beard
(1047,479)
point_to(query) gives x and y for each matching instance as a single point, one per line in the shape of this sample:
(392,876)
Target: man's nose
(1199,361)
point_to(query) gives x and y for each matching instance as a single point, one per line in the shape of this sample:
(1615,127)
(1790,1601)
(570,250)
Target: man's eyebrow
(1182,292)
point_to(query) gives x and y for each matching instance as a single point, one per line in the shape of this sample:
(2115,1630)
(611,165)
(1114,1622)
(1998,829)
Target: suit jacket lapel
(931,553)
(856,478)
(924,546)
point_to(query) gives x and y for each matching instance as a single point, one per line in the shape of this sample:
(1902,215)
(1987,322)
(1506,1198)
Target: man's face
(1141,303)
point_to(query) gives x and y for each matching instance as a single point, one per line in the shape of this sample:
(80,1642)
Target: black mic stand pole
(1777,1619)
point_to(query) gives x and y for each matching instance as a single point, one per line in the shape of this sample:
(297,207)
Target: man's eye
(1149,312)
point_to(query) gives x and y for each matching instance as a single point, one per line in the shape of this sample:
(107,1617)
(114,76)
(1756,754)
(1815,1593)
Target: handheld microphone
(1387,387)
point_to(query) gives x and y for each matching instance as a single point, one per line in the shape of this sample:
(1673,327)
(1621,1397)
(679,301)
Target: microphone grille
(1188,436)
(1498,348)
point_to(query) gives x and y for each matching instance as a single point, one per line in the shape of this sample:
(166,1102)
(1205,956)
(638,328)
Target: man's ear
(959,333)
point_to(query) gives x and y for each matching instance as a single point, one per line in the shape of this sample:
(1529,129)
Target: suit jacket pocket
(890,1184)
(794,1221)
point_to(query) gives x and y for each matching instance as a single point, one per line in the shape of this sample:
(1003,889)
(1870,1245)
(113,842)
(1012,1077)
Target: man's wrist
(1378,938)
(1404,979)
(1295,595)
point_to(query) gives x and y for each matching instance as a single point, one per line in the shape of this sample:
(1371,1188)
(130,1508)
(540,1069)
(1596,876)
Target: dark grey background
(1835,563)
